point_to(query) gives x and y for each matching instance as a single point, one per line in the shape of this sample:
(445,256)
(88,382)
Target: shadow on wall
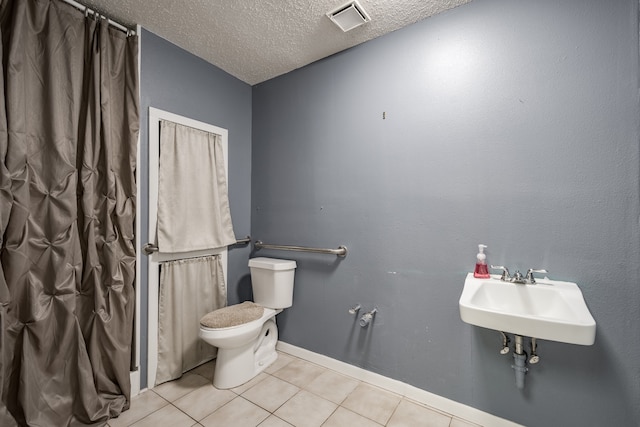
(243,289)
(363,336)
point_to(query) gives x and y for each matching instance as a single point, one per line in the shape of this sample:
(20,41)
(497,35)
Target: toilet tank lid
(272,263)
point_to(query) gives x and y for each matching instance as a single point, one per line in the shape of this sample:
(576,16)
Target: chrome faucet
(517,277)
(529,277)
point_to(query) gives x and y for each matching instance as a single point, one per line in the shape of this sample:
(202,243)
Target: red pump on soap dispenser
(481,271)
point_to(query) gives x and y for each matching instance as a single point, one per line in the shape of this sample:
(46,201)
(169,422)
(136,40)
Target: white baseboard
(434,401)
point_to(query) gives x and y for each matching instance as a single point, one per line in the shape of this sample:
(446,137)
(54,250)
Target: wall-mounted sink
(549,309)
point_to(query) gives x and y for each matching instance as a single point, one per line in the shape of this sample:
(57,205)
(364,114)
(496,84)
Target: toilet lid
(232,315)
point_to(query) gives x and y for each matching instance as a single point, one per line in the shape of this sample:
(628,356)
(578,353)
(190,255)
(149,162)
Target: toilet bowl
(244,350)
(246,334)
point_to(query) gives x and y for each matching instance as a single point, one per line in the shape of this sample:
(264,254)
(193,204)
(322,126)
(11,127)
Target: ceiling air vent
(349,16)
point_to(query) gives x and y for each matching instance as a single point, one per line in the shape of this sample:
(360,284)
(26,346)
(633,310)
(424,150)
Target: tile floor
(291,392)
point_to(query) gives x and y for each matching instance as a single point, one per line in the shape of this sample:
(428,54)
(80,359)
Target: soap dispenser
(481,271)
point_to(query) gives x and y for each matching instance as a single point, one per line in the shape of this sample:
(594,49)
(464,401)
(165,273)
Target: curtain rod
(87,10)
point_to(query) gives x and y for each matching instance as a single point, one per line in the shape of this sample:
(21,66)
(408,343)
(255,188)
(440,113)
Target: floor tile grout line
(194,420)
(172,403)
(281,405)
(424,405)
(327,419)
(152,412)
(273,414)
(394,411)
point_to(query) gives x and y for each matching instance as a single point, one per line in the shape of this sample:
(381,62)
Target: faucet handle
(505,272)
(529,278)
(355,309)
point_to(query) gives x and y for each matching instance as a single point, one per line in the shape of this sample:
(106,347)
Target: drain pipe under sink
(520,360)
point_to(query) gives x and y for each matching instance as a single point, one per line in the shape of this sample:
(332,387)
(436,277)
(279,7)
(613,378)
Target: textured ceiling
(258,40)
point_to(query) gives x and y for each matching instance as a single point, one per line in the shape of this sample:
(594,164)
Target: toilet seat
(232,315)
(266,314)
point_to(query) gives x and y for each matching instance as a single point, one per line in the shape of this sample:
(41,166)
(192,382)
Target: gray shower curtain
(68,134)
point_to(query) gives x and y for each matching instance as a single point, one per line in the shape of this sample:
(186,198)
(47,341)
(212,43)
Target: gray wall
(173,80)
(509,123)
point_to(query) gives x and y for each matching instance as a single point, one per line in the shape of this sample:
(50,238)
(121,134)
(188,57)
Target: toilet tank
(272,281)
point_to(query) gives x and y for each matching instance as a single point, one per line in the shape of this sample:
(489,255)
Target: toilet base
(236,366)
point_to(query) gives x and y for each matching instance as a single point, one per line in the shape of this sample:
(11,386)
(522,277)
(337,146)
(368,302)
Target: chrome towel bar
(150,248)
(244,241)
(341,251)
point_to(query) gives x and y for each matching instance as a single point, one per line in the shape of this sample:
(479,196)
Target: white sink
(550,309)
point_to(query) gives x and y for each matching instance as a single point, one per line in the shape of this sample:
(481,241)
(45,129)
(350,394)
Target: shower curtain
(68,134)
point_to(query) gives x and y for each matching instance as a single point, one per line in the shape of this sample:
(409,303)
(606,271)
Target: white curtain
(193,202)
(189,289)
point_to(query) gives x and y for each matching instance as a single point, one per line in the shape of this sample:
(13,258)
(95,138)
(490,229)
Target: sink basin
(550,309)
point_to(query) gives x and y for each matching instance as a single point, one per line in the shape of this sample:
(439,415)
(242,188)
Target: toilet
(246,334)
